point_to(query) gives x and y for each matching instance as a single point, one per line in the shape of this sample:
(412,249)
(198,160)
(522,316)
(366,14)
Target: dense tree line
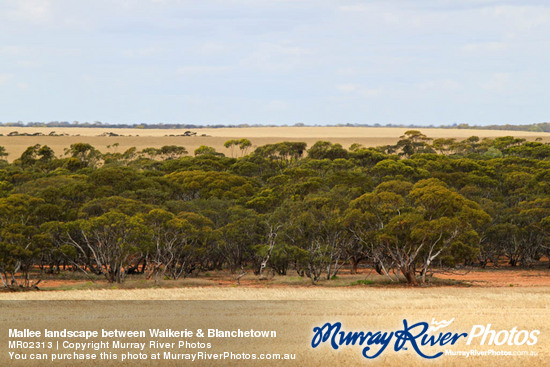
(401,209)
(536,127)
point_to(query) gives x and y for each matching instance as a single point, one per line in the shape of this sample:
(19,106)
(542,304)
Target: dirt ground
(504,277)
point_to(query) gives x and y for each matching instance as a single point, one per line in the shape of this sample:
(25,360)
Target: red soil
(493,277)
(503,278)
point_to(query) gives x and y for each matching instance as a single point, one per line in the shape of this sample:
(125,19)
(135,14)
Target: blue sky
(277,61)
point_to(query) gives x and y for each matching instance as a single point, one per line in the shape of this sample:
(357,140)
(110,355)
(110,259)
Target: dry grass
(293,312)
(377,296)
(15,145)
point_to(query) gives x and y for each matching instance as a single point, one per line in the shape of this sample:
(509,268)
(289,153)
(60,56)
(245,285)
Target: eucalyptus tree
(412,226)
(85,153)
(316,230)
(21,243)
(178,242)
(413,141)
(111,241)
(243,145)
(189,185)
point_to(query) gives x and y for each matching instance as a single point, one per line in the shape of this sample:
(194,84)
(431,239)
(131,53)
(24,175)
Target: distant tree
(172,151)
(243,145)
(327,150)
(28,158)
(443,145)
(85,153)
(284,154)
(286,150)
(3,153)
(189,185)
(206,150)
(505,142)
(413,141)
(40,155)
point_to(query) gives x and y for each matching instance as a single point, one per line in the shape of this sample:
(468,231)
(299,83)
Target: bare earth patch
(503,278)
(491,277)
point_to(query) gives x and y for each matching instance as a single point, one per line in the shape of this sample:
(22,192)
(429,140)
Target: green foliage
(86,154)
(242,144)
(327,150)
(166,152)
(413,142)
(401,208)
(21,243)
(208,151)
(189,185)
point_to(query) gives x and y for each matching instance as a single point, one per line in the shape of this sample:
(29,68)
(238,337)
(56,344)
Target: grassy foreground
(358,309)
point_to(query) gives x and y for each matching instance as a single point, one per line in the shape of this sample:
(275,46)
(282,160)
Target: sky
(275,61)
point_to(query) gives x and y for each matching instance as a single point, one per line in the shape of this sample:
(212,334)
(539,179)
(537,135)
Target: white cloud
(276,57)
(485,47)
(277,105)
(439,85)
(212,48)
(5,78)
(142,52)
(12,50)
(347,88)
(347,71)
(192,70)
(498,82)
(32,10)
(522,17)
(359,90)
(194,99)
(370,92)
(355,8)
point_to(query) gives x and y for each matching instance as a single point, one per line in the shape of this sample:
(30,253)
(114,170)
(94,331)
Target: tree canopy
(404,209)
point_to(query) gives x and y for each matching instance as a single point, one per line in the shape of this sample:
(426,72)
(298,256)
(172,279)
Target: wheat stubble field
(141,138)
(293,312)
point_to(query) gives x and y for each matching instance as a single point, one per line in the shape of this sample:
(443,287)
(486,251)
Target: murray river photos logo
(417,337)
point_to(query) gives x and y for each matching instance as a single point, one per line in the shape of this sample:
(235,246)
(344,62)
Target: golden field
(293,312)
(141,138)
